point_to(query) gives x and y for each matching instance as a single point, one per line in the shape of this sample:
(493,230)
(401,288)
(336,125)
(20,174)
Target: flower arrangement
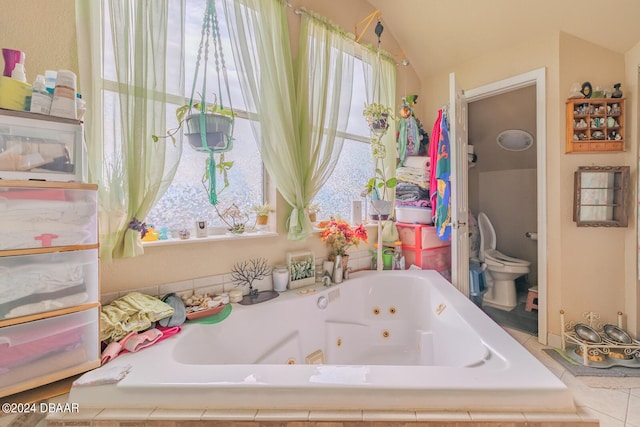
(340,236)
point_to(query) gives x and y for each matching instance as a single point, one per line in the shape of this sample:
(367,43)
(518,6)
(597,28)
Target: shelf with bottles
(595,125)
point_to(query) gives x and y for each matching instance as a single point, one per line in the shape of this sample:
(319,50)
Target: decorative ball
(184,234)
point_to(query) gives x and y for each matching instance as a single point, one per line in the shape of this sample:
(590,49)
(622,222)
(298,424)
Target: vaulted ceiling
(437,34)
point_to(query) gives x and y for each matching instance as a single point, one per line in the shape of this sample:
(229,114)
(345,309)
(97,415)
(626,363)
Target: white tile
(369,415)
(633,409)
(281,415)
(497,416)
(442,416)
(606,401)
(335,415)
(539,417)
(208,281)
(211,290)
(605,420)
(154,291)
(229,414)
(108,298)
(124,414)
(183,285)
(176,414)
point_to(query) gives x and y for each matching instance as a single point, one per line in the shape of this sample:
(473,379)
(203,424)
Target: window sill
(211,238)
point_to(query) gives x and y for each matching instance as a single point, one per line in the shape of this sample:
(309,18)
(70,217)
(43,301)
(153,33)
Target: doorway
(536,80)
(502,185)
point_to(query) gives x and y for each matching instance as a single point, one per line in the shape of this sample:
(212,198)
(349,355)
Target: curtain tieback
(136,225)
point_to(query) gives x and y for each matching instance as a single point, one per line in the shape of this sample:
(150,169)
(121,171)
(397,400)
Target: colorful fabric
(433,155)
(443,174)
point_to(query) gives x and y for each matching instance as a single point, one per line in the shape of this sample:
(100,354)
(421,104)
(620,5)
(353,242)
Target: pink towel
(433,155)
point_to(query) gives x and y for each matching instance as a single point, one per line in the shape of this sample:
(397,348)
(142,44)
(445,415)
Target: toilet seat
(488,252)
(494,257)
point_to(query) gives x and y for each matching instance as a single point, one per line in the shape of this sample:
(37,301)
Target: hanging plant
(377,117)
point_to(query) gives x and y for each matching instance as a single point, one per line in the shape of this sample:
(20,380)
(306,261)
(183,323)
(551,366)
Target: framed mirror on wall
(601,196)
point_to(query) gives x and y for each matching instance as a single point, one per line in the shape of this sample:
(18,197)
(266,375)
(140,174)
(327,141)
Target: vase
(345,263)
(262,220)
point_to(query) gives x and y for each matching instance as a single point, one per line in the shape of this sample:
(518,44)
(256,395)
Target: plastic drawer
(419,236)
(429,259)
(38,217)
(48,349)
(31,284)
(41,148)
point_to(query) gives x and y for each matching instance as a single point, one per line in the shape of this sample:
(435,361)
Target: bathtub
(380,340)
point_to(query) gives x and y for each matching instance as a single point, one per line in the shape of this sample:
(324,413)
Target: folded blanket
(132,312)
(38,278)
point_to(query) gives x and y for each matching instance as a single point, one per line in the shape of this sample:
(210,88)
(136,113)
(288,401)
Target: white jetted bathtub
(381,340)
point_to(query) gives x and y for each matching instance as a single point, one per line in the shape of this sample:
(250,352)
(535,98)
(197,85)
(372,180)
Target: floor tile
(335,415)
(230,414)
(388,416)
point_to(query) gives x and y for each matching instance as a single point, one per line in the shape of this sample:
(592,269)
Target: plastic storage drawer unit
(31,284)
(38,147)
(54,348)
(47,217)
(438,259)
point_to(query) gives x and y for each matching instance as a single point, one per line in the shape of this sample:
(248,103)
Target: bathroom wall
(587,269)
(502,183)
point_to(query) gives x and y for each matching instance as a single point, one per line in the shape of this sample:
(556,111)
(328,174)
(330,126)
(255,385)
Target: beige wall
(45,30)
(587,269)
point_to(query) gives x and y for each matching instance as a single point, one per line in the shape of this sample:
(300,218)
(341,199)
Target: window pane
(187,200)
(349,178)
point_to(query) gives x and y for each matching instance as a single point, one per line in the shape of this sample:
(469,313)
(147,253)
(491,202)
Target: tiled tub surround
(391,341)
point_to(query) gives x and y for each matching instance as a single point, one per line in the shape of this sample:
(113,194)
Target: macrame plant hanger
(210,28)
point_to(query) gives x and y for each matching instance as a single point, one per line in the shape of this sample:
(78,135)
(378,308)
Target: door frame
(532,78)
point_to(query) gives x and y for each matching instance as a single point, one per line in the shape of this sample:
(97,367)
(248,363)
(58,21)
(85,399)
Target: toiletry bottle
(50,80)
(64,96)
(398,257)
(40,98)
(18,73)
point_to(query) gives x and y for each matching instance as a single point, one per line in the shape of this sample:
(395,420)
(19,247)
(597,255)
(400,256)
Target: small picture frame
(202,230)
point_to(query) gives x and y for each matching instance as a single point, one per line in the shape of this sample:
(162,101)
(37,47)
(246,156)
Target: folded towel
(103,375)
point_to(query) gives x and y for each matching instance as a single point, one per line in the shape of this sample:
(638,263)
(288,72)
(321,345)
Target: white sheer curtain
(132,170)
(300,111)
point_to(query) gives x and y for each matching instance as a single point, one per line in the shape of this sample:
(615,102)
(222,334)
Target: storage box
(54,348)
(40,147)
(13,93)
(33,217)
(31,284)
(413,215)
(419,236)
(438,259)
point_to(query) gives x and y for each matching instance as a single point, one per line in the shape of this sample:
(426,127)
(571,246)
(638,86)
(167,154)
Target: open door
(459,134)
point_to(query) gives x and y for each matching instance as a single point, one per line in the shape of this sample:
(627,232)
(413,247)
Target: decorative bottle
(398,257)
(337,269)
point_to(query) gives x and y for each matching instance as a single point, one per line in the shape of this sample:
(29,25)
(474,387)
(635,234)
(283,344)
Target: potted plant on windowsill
(262,213)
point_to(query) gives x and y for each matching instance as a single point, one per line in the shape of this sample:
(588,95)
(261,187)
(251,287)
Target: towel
(104,375)
(133,312)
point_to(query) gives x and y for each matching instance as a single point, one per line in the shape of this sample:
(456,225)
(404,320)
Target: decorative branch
(246,272)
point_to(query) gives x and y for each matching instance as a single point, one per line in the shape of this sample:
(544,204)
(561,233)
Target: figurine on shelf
(617,93)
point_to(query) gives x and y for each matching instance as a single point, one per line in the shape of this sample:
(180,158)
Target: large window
(186,200)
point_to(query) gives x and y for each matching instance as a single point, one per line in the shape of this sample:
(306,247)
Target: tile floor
(614,402)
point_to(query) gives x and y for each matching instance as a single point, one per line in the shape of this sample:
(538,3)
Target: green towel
(214,318)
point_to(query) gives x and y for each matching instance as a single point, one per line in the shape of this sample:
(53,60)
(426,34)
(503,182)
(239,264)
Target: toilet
(502,270)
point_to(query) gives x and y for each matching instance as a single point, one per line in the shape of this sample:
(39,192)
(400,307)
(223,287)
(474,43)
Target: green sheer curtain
(132,170)
(300,110)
